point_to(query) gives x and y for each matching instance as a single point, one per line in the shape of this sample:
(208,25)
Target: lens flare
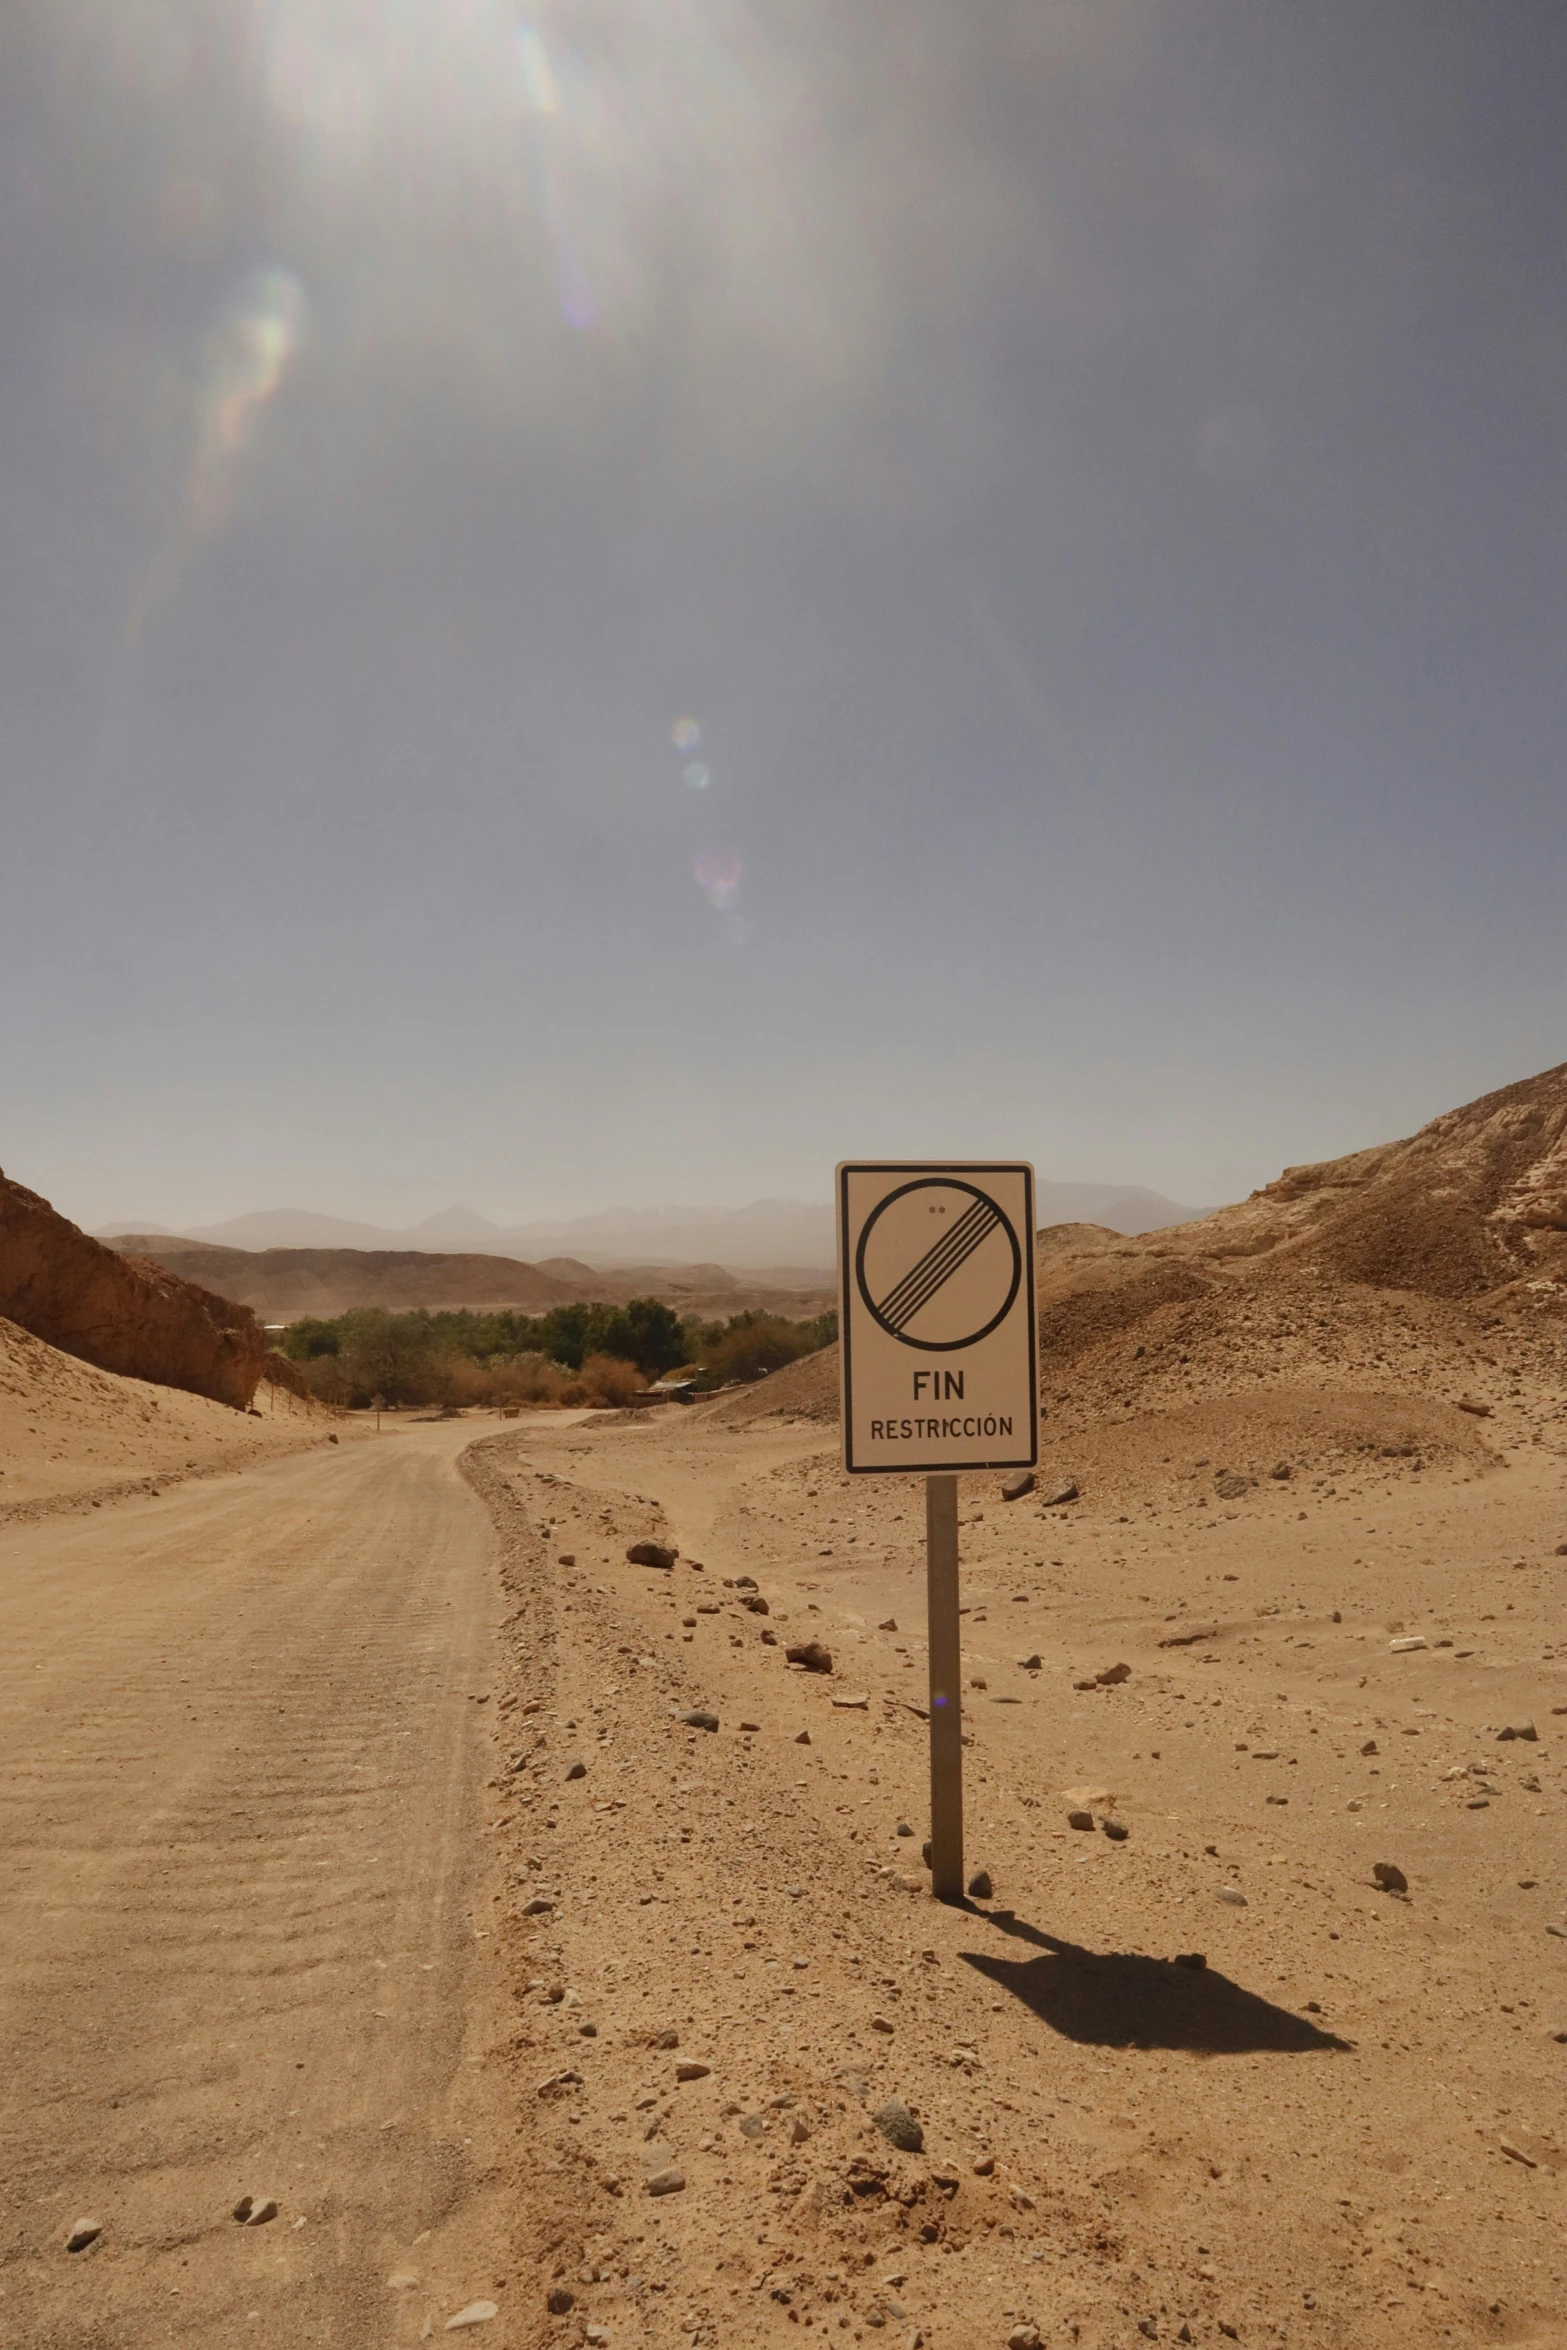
(686,736)
(542,91)
(719,872)
(698,776)
(246,361)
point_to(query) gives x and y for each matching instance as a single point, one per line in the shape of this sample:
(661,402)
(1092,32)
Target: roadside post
(380,1406)
(939,1366)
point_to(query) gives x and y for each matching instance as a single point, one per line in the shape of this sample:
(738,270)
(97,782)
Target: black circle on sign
(938,1346)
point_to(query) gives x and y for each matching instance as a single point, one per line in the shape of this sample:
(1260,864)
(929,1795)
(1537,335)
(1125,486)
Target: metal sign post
(939,1364)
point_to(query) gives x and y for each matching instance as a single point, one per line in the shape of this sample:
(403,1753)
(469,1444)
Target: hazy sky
(618,604)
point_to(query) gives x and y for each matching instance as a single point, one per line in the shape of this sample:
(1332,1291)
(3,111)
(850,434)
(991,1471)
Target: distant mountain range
(778,1234)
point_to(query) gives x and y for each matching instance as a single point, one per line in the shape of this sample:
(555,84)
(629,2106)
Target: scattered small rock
(985,2166)
(859,1704)
(87,2231)
(752,2125)
(898,2126)
(1020,1482)
(1370,1747)
(1190,1637)
(1229,1484)
(811,1654)
(802,1738)
(1280,1469)
(698,1720)
(750,1725)
(891,1624)
(980,1886)
(559,2299)
(1517,2154)
(1470,1403)
(879,2023)
(538,1907)
(799,2131)
(1024,2338)
(477,2313)
(670,2181)
(576,1770)
(691,2069)
(1389,1876)
(755,1602)
(1113,1676)
(1411,1640)
(1523,1729)
(667,2039)
(1079,1819)
(1116,1830)
(1031,1664)
(1561,1550)
(254,2211)
(1233,1895)
(903,1829)
(795,1892)
(1058,1494)
(651,1554)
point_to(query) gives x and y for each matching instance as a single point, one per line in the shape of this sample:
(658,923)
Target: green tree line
(572,1354)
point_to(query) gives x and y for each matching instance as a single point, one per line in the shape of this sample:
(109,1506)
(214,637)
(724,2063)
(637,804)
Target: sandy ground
(73,1438)
(240,1759)
(269,1932)
(1347,2128)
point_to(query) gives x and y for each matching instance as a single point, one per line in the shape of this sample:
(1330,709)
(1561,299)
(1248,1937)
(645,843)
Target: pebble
(803,1738)
(670,2181)
(811,1654)
(1403,1647)
(1113,1675)
(1024,2338)
(1522,1729)
(750,1725)
(538,1907)
(85,2232)
(980,1886)
(985,2166)
(859,1704)
(477,2313)
(1079,1819)
(598,2335)
(897,2125)
(651,1554)
(795,1892)
(1031,1664)
(752,2125)
(559,2299)
(1116,1830)
(1020,1482)
(667,2039)
(690,2068)
(698,1720)
(889,1625)
(755,1602)
(1233,1895)
(576,1770)
(1517,2154)
(1559,1931)
(903,1829)
(254,2211)
(1389,1876)
(799,2131)
(1058,1494)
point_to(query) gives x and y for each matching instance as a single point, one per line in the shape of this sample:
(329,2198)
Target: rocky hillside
(119,1312)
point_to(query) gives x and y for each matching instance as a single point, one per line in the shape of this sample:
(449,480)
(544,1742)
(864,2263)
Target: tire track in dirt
(239,1770)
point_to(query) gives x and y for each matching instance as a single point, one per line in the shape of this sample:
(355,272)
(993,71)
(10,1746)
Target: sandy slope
(239,1763)
(72,1435)
(1305,2142)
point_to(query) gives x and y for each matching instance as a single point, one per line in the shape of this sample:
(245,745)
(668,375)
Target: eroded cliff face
(120,1312)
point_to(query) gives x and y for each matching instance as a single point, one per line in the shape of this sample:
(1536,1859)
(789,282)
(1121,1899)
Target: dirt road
(240,1757)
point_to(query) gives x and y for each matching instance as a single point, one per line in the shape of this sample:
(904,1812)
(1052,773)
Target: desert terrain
(559,1956)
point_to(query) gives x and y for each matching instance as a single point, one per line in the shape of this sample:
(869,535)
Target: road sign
(936,1293)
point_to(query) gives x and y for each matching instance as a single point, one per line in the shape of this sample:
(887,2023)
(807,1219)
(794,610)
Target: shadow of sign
(1119,1999)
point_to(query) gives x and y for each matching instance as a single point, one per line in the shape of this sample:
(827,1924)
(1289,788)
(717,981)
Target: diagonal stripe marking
(920,1284)
(950,1244)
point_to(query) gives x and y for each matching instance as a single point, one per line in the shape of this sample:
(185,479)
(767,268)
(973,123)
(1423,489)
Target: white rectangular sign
(936,1316)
